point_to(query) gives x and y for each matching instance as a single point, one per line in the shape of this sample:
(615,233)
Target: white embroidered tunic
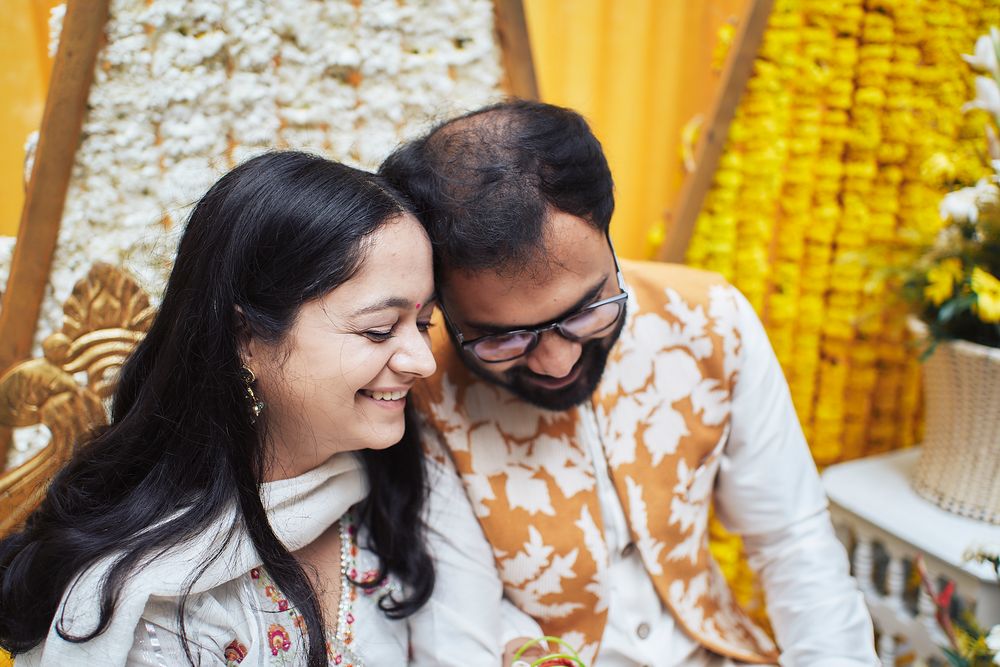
(598,515)
(243,619)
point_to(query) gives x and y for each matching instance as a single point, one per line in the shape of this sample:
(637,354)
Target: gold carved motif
(64,390)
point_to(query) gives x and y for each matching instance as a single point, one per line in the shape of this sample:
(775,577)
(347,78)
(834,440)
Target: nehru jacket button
(642,631)
(628,550)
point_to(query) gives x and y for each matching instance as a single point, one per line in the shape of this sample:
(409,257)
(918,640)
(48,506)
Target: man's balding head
(483,184)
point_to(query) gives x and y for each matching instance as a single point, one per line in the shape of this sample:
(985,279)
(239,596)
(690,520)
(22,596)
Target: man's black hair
(483,183)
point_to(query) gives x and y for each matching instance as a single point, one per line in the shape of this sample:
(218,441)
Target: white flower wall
(186,89)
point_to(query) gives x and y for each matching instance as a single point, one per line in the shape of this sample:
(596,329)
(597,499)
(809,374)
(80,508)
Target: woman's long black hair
(276,232)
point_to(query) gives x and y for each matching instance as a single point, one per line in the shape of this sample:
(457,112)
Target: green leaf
(955,307)
(954,659)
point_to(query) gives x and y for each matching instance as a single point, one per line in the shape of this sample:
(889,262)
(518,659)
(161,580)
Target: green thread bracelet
(570,653)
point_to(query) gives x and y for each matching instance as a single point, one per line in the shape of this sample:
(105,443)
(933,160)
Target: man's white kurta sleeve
(461,624)
(769,492)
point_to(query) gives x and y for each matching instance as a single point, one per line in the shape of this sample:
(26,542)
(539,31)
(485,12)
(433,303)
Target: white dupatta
(299,510)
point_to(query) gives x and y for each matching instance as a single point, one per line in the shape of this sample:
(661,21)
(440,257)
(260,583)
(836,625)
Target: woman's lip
(395,404)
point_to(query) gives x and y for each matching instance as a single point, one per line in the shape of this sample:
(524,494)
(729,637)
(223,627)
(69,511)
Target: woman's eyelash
(382,336)
(378,336)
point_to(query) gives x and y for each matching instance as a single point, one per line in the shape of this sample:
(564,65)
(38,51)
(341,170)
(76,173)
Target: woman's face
(339,379)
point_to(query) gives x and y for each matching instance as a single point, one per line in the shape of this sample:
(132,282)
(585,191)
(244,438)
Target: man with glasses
(592,324)
(596,408)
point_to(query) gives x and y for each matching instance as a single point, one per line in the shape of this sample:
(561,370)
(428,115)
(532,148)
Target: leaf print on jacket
(594,542)
(662,412)
(536,572)
(725,312)
(649,547)
(688,331)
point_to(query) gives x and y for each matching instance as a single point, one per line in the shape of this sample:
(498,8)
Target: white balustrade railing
(885,526)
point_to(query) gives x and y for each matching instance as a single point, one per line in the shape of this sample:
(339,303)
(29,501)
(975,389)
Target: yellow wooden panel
(24,72)
(639,70)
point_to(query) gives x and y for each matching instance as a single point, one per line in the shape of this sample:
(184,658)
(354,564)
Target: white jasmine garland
(24,443)
(30,146)
(186,89)
(6,251)
(56,16)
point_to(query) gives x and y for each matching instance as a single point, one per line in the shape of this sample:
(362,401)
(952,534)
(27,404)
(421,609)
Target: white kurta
(769,492)
(242,620)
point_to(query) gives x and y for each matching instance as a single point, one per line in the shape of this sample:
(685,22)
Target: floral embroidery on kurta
(286,639)
(235,652)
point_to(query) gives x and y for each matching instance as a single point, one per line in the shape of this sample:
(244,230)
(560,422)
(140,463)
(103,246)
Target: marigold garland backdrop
(848,135)
(849,132)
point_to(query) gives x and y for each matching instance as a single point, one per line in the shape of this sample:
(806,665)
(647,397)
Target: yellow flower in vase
(987,290)
(941,280)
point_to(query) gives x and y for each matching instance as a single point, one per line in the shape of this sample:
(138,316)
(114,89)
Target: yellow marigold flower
(987,289)
(938,169)
(656,235)
(941,280)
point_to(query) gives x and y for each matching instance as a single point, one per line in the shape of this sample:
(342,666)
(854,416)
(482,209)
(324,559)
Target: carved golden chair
(65,389)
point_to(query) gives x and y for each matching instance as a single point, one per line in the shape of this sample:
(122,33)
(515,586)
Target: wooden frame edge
(59,136)
(519,77)
(739,67)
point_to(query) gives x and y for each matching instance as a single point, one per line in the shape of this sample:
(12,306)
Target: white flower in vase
(993,643)
(987,96)
(964,205)
(984,58)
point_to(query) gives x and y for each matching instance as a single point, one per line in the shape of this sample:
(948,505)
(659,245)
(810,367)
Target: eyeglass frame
(466,345)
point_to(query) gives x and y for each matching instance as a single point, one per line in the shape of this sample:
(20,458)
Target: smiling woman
(257,472)
(338,380)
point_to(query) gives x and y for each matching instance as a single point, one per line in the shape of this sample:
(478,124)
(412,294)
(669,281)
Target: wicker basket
(959,466)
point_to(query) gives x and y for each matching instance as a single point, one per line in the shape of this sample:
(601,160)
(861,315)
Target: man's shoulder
(657,278)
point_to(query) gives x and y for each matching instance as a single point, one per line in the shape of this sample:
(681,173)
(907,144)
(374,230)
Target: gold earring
(256,405)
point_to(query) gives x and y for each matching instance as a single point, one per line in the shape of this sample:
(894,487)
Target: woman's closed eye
(382,335)
(377,336)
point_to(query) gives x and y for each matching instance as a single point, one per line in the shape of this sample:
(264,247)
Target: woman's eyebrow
(393,302)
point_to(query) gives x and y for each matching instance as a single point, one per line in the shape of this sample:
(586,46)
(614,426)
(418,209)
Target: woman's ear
(244,338)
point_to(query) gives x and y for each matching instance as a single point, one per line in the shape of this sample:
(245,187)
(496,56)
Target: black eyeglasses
(589,322)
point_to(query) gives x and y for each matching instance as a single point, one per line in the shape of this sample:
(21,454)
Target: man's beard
(518,380)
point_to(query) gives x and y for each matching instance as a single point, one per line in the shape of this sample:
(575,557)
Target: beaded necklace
(339,649)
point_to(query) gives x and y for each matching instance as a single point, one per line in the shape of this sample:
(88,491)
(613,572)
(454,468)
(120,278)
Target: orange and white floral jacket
(664,421)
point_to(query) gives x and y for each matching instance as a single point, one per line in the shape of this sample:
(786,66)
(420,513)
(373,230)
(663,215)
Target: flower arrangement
(824,159)
(954,285)
(969,644)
